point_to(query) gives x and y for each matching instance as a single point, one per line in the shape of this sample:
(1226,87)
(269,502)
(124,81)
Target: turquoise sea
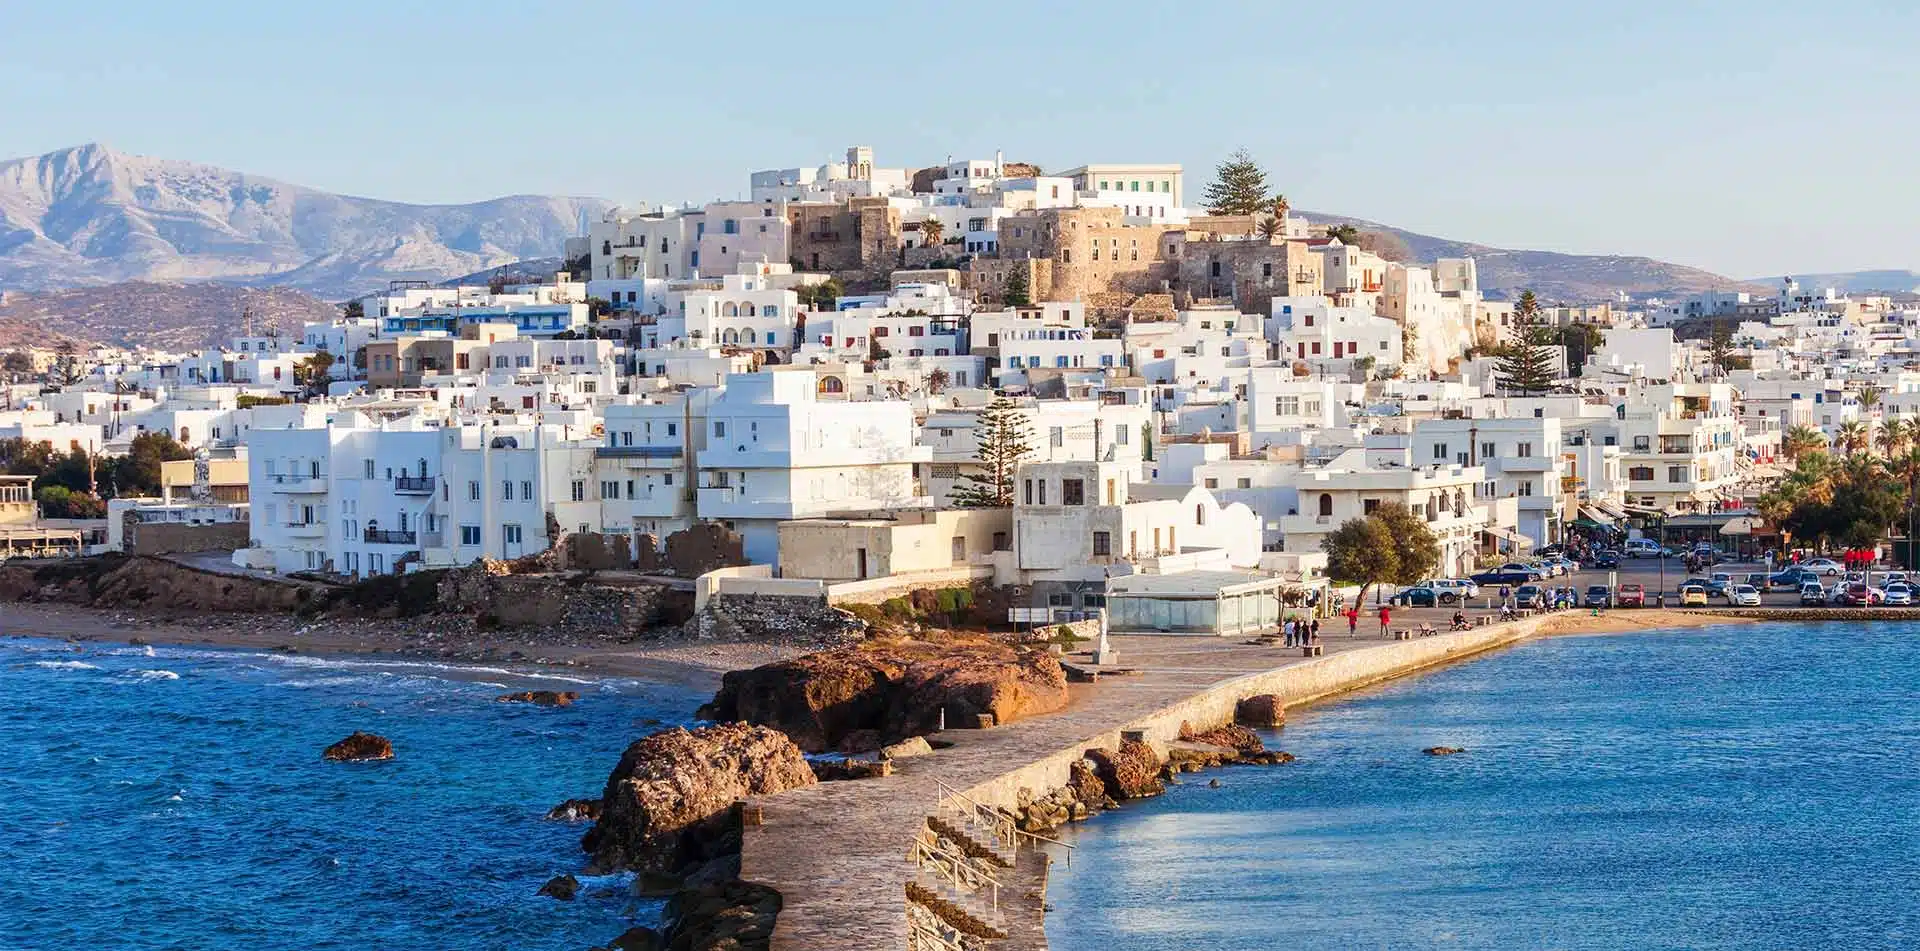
(176,798)
(1736,787)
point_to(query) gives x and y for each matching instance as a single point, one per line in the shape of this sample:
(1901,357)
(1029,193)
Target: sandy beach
(690,663)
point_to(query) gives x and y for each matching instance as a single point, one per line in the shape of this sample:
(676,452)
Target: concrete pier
(838,852)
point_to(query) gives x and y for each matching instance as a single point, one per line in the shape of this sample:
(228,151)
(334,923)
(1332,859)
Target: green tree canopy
(1001,443)
(1526,363)
(1239,187)
(1361,552)
(1016,293)
(1416,551)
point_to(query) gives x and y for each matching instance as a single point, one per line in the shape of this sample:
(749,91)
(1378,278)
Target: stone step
(963,839)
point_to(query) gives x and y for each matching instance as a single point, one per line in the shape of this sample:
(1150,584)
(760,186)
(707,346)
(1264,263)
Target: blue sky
(1747,138)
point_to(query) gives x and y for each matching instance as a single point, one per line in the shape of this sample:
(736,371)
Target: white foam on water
(64,665)
(152,675)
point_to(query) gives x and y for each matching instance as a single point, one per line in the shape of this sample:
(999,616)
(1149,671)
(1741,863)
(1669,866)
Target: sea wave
(64,665)
(151,674)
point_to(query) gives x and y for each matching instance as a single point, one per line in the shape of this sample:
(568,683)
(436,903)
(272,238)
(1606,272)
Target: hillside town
(1094,387)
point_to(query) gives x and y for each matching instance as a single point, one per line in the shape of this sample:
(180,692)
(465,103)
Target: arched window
(1200,514)
(421,465)
(831,384)
(1433,510)
(729,310)
(1326,504)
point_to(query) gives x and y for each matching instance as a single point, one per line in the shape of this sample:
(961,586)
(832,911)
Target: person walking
(1386,618)
(1289,628)
(1313,632)
(1353,622)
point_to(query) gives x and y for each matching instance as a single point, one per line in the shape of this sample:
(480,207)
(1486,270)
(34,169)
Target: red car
(1858,595)
(1630,596)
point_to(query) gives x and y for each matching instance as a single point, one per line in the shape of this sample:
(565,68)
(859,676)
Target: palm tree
(1275,221)
(1852,436)
(932,230)
(1803,439)
(1894,436)
(1869,399)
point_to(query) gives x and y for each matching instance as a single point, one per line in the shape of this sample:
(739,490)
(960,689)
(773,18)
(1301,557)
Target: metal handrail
(999,819)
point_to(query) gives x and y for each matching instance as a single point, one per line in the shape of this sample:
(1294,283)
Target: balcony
(304,529)
(638,452)
(1526,463)
(297,484)
(413,485)
(383,536)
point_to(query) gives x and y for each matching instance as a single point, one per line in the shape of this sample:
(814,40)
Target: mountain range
(103,245)
(90,215)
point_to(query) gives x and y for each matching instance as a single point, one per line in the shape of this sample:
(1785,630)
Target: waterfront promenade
(838,852)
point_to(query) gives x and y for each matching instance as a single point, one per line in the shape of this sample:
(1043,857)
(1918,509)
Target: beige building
(1091,250)
(16,500)
(831,549)
(1249,270)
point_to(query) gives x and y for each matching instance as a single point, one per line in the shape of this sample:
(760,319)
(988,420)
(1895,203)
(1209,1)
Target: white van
(1641,548)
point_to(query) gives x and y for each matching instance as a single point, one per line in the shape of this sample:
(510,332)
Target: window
(1524,450)
(1102,544)
(1026,492)
(719,429)
(609,490)
(1073,492)
(1640,473)
(579,490)
(1369,506)
(526,490)
(510,534)
(1326,505)
(506,490)
(1440,451)
(1487,450)
(1057,436)
(1286,405)
(1526,488)
(469,534)
(368,468)
(1042,492)
(1212,483)
(1245,483)
(1676,473)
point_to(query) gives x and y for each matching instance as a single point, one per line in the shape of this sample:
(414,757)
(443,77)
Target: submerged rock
(359,747)
(561,887)
(669,802)
(1444,750)
(543,698)
(575,810)
(863,696)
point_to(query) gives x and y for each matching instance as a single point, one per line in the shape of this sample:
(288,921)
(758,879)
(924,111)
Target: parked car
(1744,596)
(1823,566)
(1719,583)
(1898,594)
(1793,578)
(1693,595)
(1597,596)
(1546,569)
(1642,548)
(1567,565)
(1856,595)
(1760,580)
(1503,577)
(1551,551)
(1533,572)
(1530,596)
(1418,596)
(1631,596)
(1812,595)
(1895,577)
(1606,558)
(1698,582)
(1453,589)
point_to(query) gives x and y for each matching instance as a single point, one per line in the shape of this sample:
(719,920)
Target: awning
(1738,526)
(1593,514)
(1610,507)
(1509,535)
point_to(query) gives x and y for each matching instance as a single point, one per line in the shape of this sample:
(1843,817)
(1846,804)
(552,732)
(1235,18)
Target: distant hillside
(1552,275)
(520,272)
(91,216)
(164,316)
(1893,281)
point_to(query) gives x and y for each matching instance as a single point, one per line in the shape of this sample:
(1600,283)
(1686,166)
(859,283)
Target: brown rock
(1265,710)
(543,698)
(723,916)
(1233,736)
(1444,750)
(669,803)
(637,939)
(1130,772)
(895,688)
(359,747)
(561,887)
(575,810)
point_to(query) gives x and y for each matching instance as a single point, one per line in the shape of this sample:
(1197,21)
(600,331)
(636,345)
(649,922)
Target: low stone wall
(881,590)
(1294,684)
(173,538)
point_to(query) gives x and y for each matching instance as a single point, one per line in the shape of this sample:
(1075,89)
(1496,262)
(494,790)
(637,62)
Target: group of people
(1300,632)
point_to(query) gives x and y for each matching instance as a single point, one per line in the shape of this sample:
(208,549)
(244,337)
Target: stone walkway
(838,852)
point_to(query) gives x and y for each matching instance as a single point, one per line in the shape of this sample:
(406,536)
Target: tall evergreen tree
(1000,440)
(1526,367)
(1016,292)
(1239,187)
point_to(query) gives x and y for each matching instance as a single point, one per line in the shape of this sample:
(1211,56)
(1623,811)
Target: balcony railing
(388,536)
(413,485)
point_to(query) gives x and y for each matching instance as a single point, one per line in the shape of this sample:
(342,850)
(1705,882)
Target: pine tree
(1000,440)
(1526,367)
(1239,187)
(1016,293)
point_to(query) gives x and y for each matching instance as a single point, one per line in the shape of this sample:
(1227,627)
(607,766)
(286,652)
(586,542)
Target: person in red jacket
(1353,622)
(1386,618)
